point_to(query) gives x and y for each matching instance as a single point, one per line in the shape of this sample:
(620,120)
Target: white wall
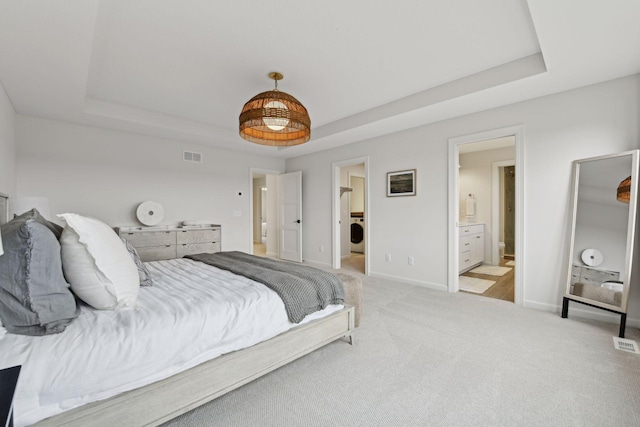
(107,174)
(476,175)
(560,128)
(7,145)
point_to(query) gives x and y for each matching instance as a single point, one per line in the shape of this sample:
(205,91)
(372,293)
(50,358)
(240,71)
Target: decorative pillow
(34,296)
(97,265)
(35,215)
(143,271)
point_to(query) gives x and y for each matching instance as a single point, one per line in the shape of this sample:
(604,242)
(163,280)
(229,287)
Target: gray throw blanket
(303,289)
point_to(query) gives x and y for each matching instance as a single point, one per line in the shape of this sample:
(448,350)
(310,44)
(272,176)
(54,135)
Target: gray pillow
(143,271)
(34,297)
(35,215)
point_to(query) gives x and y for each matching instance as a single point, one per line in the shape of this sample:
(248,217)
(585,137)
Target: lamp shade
(275,118)
(623,193)
(20,205)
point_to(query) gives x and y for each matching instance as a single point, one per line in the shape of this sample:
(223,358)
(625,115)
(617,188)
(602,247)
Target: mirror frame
(625,275)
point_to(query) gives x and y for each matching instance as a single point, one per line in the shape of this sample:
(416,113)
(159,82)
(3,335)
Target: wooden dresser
(167,243)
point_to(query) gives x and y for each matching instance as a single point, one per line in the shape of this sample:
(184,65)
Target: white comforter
(193,313)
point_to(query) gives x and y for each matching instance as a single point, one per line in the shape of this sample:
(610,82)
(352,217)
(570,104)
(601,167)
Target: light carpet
(475,285)
(431,358)
(491,270)
(510,263)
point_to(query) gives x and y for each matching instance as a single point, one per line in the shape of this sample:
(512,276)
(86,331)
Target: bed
(147,364)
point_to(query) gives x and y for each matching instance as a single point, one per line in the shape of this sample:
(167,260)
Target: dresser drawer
(198,236)
(466,243)
(150,238)
(197,248)
(471,229)
(157,253)
(465,260)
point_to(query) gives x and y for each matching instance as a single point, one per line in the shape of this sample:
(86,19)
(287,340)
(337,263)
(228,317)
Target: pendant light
(623,194)
(275,118)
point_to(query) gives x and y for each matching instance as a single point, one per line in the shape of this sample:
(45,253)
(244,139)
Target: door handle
(298,221)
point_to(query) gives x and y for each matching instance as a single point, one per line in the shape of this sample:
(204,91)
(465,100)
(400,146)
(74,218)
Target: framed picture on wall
(402,183)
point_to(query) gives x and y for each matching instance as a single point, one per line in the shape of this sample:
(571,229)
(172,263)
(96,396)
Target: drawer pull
(466,244)
(466,260)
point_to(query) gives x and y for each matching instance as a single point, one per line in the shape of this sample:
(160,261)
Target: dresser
(471,246)
(592,276)
(167,243)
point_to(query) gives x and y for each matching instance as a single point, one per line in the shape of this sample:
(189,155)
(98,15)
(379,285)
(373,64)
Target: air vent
(625,345)
(189,156)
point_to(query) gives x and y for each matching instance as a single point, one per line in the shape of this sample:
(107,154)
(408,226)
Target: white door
(291,216)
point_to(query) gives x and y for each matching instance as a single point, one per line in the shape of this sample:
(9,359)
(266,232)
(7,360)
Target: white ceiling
(183,69)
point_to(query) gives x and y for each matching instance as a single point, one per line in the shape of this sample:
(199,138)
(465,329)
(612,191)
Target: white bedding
(193,313)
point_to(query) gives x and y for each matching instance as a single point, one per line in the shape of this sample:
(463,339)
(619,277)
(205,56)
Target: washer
(357,234)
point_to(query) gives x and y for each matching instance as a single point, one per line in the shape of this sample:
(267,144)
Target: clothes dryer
(357,234)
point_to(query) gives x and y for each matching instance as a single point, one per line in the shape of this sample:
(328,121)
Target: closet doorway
(485,205)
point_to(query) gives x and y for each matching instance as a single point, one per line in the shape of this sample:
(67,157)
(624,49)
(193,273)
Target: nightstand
(8,382)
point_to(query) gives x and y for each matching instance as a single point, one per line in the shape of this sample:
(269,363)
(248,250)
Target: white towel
(471,206)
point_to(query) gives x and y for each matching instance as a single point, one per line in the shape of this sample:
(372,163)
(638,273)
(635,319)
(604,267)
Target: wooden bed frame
(161,401)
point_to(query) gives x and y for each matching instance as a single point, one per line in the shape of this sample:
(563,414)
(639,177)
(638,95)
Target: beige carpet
(510,263)
(491,270)
(475,285)
(432,358)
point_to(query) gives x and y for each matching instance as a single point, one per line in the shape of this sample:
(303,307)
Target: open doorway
(481,166)
(264,212)
(485,201)
(350,215)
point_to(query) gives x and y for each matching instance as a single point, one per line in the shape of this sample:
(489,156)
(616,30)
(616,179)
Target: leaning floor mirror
(602,233)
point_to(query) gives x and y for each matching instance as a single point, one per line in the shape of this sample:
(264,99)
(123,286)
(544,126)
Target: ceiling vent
(189,156)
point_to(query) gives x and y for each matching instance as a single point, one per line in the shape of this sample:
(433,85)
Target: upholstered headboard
(4,208)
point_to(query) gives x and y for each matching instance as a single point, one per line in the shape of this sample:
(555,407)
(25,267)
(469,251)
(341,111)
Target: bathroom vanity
(471,246)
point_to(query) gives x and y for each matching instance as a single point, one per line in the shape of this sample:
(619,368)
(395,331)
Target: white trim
(495,208)
(518,132)
(252,172)
(335,211)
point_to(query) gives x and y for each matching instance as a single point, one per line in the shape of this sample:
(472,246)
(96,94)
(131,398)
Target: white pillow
(97,265)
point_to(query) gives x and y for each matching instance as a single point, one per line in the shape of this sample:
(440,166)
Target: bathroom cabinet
(471,246)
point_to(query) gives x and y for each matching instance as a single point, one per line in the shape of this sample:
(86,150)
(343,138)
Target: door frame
(454,205)
(252,172)
(335,211)
(495,207)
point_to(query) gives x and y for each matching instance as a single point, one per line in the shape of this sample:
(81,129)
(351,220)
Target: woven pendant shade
(624,191)
(275,118)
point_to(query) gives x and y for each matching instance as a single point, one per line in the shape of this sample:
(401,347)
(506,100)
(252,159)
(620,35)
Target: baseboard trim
(434,286)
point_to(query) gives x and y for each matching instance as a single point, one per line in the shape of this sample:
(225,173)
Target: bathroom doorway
(264,208)
(482,273)
(485,196)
